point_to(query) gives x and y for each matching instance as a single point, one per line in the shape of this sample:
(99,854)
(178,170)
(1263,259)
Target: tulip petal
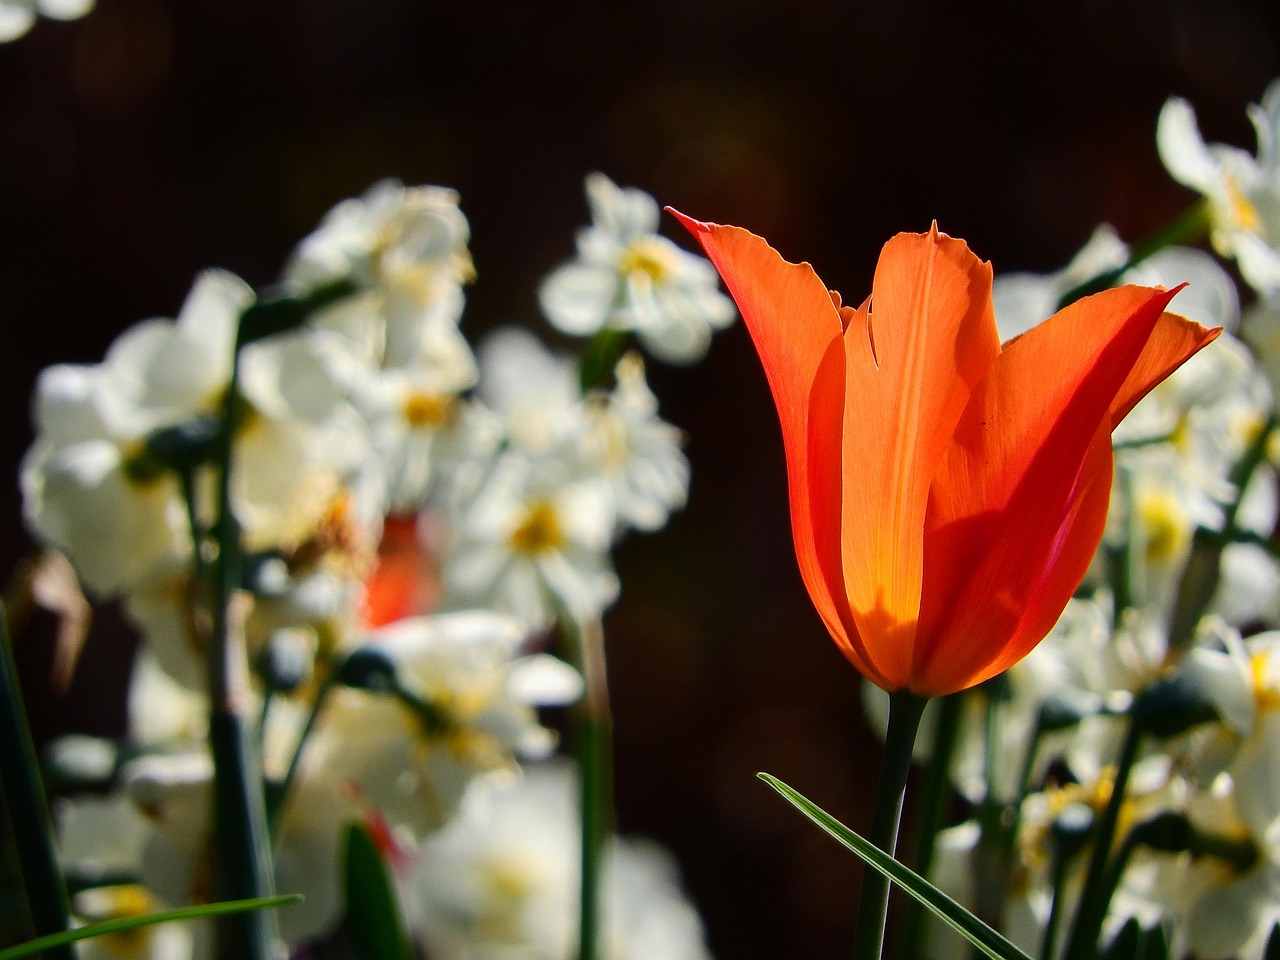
(914,353)
(796,328)
(1018,506)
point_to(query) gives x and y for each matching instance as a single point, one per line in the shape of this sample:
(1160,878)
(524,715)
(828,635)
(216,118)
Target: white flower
(405,249)
(627,277)
(502,882)
(534,544)
(1243,191)
(466,712)
(638,453)
(18,16)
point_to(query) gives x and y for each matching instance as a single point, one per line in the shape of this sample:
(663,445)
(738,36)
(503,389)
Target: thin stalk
(242,848)
(593,743)
(1203,570)
(905,709)
(1094,897)
(930,813)
(1189,225)
(275,808)
(1049,942)
(28,810)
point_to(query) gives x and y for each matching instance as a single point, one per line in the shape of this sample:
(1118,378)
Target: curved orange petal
(1173,340)
(913,355)
(796,328)
(1012,517)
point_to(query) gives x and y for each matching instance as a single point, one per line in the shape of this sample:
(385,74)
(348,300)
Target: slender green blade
(989,941)
(129,923)
(373,918)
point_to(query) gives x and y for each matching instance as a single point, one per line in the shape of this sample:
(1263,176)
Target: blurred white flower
(18,16)
(502,882)
(405,250)
(626,277)
(465,710)
(1243,191)
(533,544)
(638,453)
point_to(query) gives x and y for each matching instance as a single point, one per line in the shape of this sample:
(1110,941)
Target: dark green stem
(873,904)
(1095,898)
(1188,226)
(1203,571)
(1049,942)
(593,743)
(242,848)
(28,810)
(276,804)
(930,814)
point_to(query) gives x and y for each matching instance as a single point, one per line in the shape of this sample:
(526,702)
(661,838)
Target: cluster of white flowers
(506,481)
(1037,750)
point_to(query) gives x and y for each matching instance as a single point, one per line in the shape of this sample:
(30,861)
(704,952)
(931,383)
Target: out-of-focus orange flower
(947,494)
(404,581)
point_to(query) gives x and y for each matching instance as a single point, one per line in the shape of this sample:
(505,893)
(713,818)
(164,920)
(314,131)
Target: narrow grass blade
(989,941)
(129,923)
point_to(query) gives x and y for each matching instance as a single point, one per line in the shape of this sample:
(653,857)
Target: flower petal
(797,332)
(914,353)
(1018,505)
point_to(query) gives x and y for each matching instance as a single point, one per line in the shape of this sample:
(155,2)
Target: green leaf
(989,941)
(373,919)
(129,923)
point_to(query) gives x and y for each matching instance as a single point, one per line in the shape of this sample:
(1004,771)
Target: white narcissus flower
(533,544)
(501,882)
(626,277)
(468,713)
(638,453)
(405,250)
(18,16)
(1243,191)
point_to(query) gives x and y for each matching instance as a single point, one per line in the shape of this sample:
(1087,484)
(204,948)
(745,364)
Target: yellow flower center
(118,903)
(425,410)
(1243,212)
(646,257)
(1164,522)
(539,531)
(1266,693)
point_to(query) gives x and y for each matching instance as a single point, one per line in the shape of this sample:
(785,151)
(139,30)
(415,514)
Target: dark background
(153,139)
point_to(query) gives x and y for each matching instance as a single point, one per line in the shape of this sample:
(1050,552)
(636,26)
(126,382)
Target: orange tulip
(947,493)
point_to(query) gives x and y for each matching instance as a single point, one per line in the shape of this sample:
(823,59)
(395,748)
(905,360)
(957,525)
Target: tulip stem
(905,709)
(929,813)
(1190,224)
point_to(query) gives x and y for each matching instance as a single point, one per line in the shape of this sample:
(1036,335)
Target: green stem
(593,743)
(905,709)
(1094,897)
(242,848)
(1203,571)
(1049,942)
(1189,225)
(276,805)
(28,810)
(931,810)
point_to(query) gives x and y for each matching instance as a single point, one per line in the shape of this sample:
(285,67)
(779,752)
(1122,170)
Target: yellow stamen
(539,531)
(647,257)
(425,410)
